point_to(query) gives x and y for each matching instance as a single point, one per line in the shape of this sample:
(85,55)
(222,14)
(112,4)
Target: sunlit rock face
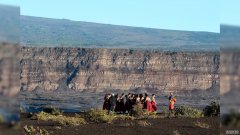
(9,69)
(230,69)
(229,84)
(80,69)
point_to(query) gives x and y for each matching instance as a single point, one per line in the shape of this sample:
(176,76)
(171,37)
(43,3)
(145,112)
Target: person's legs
(171,113)
(112,108)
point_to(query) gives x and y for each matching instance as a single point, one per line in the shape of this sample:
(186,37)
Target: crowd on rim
(124,103)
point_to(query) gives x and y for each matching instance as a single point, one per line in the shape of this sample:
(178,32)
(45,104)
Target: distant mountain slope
(230,36)
(9,24)
(36,31)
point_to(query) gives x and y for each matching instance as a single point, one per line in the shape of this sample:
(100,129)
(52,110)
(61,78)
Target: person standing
(121,103)
(170,96)
(117,108)
(106,103)
(148,105)
(113,102)
(172,101)
(137,98)
(127,103)
(154,105)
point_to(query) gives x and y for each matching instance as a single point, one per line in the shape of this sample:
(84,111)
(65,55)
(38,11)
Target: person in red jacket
(172,101)
(154,105)
(148,104)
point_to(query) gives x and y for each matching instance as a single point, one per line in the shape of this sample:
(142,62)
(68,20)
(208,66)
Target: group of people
(125,103)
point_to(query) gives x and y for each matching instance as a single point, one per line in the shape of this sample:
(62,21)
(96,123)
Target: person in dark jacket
(113,102)
(121,103)
(117,108)
(106,103)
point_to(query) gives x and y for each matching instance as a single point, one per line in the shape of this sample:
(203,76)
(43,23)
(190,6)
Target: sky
(190,15)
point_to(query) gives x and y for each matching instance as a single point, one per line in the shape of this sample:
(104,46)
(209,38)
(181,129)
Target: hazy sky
(193,15)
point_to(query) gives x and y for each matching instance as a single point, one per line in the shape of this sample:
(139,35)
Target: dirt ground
(159,126)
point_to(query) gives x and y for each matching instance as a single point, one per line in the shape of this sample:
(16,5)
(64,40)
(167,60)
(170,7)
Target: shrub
(63,120)
(99,115)
(30,130)
(152,115)
(164,109)
(212,110)
(138,111)
(232,119)
(184,111)
(1,119)
(52,110)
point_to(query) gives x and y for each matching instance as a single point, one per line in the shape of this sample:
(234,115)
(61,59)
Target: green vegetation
(99,116)
(1,119)
(63,120)
(232,119)
(52,110)
(164,109)
(59,32)
(123,117)
(138,111)
(201,125)
(185,111)
(212,110)
(30,130)
(152,115)
(103,116)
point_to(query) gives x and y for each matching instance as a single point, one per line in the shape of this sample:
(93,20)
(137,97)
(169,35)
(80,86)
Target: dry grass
(63,120)
(164,111)
(123,117)
(188,112)
(152,115)
(201,125)
(30,130)
(137,111)
(176,132)
(143,123)
(99,116)
(127,124)
(52,110)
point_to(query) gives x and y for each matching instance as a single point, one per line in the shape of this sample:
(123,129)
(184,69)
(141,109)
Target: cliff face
(230,71)
(229,89)
(9,69)
(117,69)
